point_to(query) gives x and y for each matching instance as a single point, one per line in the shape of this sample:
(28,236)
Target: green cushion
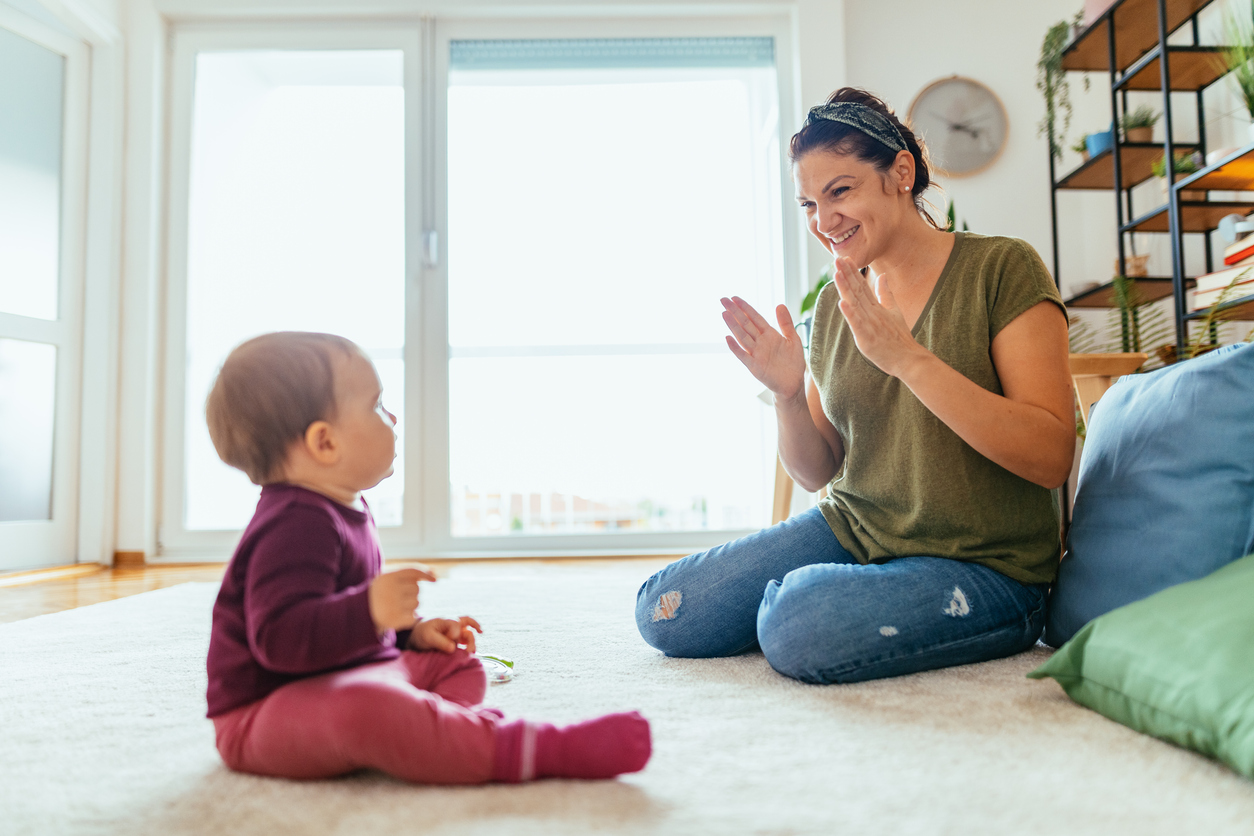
(1178,665)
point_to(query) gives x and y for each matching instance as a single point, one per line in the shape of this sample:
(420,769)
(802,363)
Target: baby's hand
(393,597)
(445,634)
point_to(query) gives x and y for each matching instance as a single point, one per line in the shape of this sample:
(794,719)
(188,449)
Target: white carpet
(102,730)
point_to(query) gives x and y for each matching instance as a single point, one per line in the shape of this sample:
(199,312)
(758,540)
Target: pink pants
(411,718)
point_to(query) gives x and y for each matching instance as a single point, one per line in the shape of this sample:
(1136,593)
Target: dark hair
(839,138)
(267,393)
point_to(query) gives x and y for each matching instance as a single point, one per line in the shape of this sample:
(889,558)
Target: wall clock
(962,122)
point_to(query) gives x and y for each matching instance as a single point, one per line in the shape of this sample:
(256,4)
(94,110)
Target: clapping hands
(775,358)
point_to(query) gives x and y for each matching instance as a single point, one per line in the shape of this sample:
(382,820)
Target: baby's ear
(320,442)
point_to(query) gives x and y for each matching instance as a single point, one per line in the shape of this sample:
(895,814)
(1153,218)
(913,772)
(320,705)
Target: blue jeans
(820,616)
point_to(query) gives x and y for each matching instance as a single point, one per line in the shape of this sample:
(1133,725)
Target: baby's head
(302,406)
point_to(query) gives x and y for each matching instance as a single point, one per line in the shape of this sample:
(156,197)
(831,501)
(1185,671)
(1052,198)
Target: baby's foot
(598,748)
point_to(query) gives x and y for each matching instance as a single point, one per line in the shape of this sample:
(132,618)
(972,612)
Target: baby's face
(364,428)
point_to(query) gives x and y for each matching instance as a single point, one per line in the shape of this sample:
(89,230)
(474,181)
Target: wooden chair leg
(783,493)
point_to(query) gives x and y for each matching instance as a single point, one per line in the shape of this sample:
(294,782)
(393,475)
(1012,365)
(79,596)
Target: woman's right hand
(775,358)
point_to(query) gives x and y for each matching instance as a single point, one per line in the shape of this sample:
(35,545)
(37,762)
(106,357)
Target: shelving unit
(1128,41)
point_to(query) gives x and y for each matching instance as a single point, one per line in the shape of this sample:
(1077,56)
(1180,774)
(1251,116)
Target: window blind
(611,53)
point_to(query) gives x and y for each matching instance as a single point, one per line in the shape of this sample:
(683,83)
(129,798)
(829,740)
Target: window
(603,194)
(529,243)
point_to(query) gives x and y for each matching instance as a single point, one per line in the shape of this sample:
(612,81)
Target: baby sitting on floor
(318,662)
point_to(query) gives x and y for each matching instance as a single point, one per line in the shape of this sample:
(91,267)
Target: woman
(938,406)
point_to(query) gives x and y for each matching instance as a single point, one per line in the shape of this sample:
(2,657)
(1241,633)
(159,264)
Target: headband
(862,118)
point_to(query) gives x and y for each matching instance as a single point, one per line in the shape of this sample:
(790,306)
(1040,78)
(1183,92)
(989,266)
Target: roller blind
(611,53)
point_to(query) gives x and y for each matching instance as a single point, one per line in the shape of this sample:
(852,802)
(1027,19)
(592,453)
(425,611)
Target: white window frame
(441,542)
(56,541)
(426,532)
(174,542)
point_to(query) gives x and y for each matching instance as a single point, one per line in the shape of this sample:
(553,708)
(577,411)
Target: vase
(1099,142)
(1139,134)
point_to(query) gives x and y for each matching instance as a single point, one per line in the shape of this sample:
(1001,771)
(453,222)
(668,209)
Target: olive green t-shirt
(909,486)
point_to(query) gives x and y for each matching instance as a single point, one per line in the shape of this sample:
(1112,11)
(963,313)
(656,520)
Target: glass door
(290,214)
(42,102)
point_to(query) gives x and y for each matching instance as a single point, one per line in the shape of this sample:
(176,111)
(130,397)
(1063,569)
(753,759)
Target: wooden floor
(27,594)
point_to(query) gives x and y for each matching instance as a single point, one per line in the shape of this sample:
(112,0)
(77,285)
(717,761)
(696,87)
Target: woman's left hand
(878,325)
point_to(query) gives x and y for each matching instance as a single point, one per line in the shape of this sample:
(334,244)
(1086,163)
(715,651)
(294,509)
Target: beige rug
(102,731)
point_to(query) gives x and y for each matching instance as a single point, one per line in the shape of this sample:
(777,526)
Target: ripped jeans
(821,617)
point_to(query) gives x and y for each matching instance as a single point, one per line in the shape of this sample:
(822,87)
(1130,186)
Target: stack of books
(1238,266)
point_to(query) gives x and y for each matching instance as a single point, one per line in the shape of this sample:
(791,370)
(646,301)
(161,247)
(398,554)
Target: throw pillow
(1166,487)
(1178,665)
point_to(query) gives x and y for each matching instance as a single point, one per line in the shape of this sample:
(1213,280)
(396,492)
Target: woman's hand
(776,359)
(878,325)
(445,634)
(393,597)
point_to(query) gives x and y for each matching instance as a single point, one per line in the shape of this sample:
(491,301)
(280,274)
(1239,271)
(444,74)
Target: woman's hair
(840,138)
(267,393)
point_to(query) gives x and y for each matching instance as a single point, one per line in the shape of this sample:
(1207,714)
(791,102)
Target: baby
(318,663)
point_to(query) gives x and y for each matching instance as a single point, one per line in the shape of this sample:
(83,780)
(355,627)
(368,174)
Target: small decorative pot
(1140,134)
(1099,142)
(1134,266)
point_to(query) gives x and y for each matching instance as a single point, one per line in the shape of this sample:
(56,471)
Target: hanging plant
(1051,80)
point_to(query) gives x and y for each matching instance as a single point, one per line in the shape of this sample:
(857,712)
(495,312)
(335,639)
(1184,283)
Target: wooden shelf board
(1199,216)
(1241,309)
(1234,173)
(1152,289)
(1111,365)
(1192,68)
(1135,160)
(1136,32)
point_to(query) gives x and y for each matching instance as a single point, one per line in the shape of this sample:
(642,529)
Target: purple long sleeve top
(293,602)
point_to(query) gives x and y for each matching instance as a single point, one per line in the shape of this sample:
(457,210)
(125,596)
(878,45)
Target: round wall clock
(962,122)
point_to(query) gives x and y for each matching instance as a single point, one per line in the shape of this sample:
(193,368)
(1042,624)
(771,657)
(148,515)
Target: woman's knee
(791,629)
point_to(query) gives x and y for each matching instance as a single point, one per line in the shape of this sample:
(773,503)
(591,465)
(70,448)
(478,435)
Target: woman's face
(852,208)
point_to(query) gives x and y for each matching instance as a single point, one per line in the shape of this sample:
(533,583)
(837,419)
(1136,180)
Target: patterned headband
(860,117)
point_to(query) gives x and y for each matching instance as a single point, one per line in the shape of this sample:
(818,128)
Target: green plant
(1237,57)
(1051,80)
(810,298)
(1184,163)
(951,217)
(1143,117)
(1081,146)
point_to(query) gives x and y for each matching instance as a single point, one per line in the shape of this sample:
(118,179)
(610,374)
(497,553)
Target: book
(1203,299)
(1240,251)
(1221,278)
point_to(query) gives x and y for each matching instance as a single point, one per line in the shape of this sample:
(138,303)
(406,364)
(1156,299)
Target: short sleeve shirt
(909,485)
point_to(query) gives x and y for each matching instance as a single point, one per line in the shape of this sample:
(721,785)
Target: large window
(603,194)
(295,223)
(530,239)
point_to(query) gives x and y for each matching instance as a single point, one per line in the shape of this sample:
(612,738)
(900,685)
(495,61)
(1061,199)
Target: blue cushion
(1166,487)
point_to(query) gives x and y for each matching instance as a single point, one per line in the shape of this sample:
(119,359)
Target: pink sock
(598,748)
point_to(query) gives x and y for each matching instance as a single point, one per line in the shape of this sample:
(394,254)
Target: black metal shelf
(1152,289)
(1195,216)
(1191,68)
(1235,310)
(1136,161)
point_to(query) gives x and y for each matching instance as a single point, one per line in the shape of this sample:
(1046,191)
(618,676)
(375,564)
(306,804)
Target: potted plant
(1182,163)
(1051,80)
(1081,147)
(1236,59)
(1138,125)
